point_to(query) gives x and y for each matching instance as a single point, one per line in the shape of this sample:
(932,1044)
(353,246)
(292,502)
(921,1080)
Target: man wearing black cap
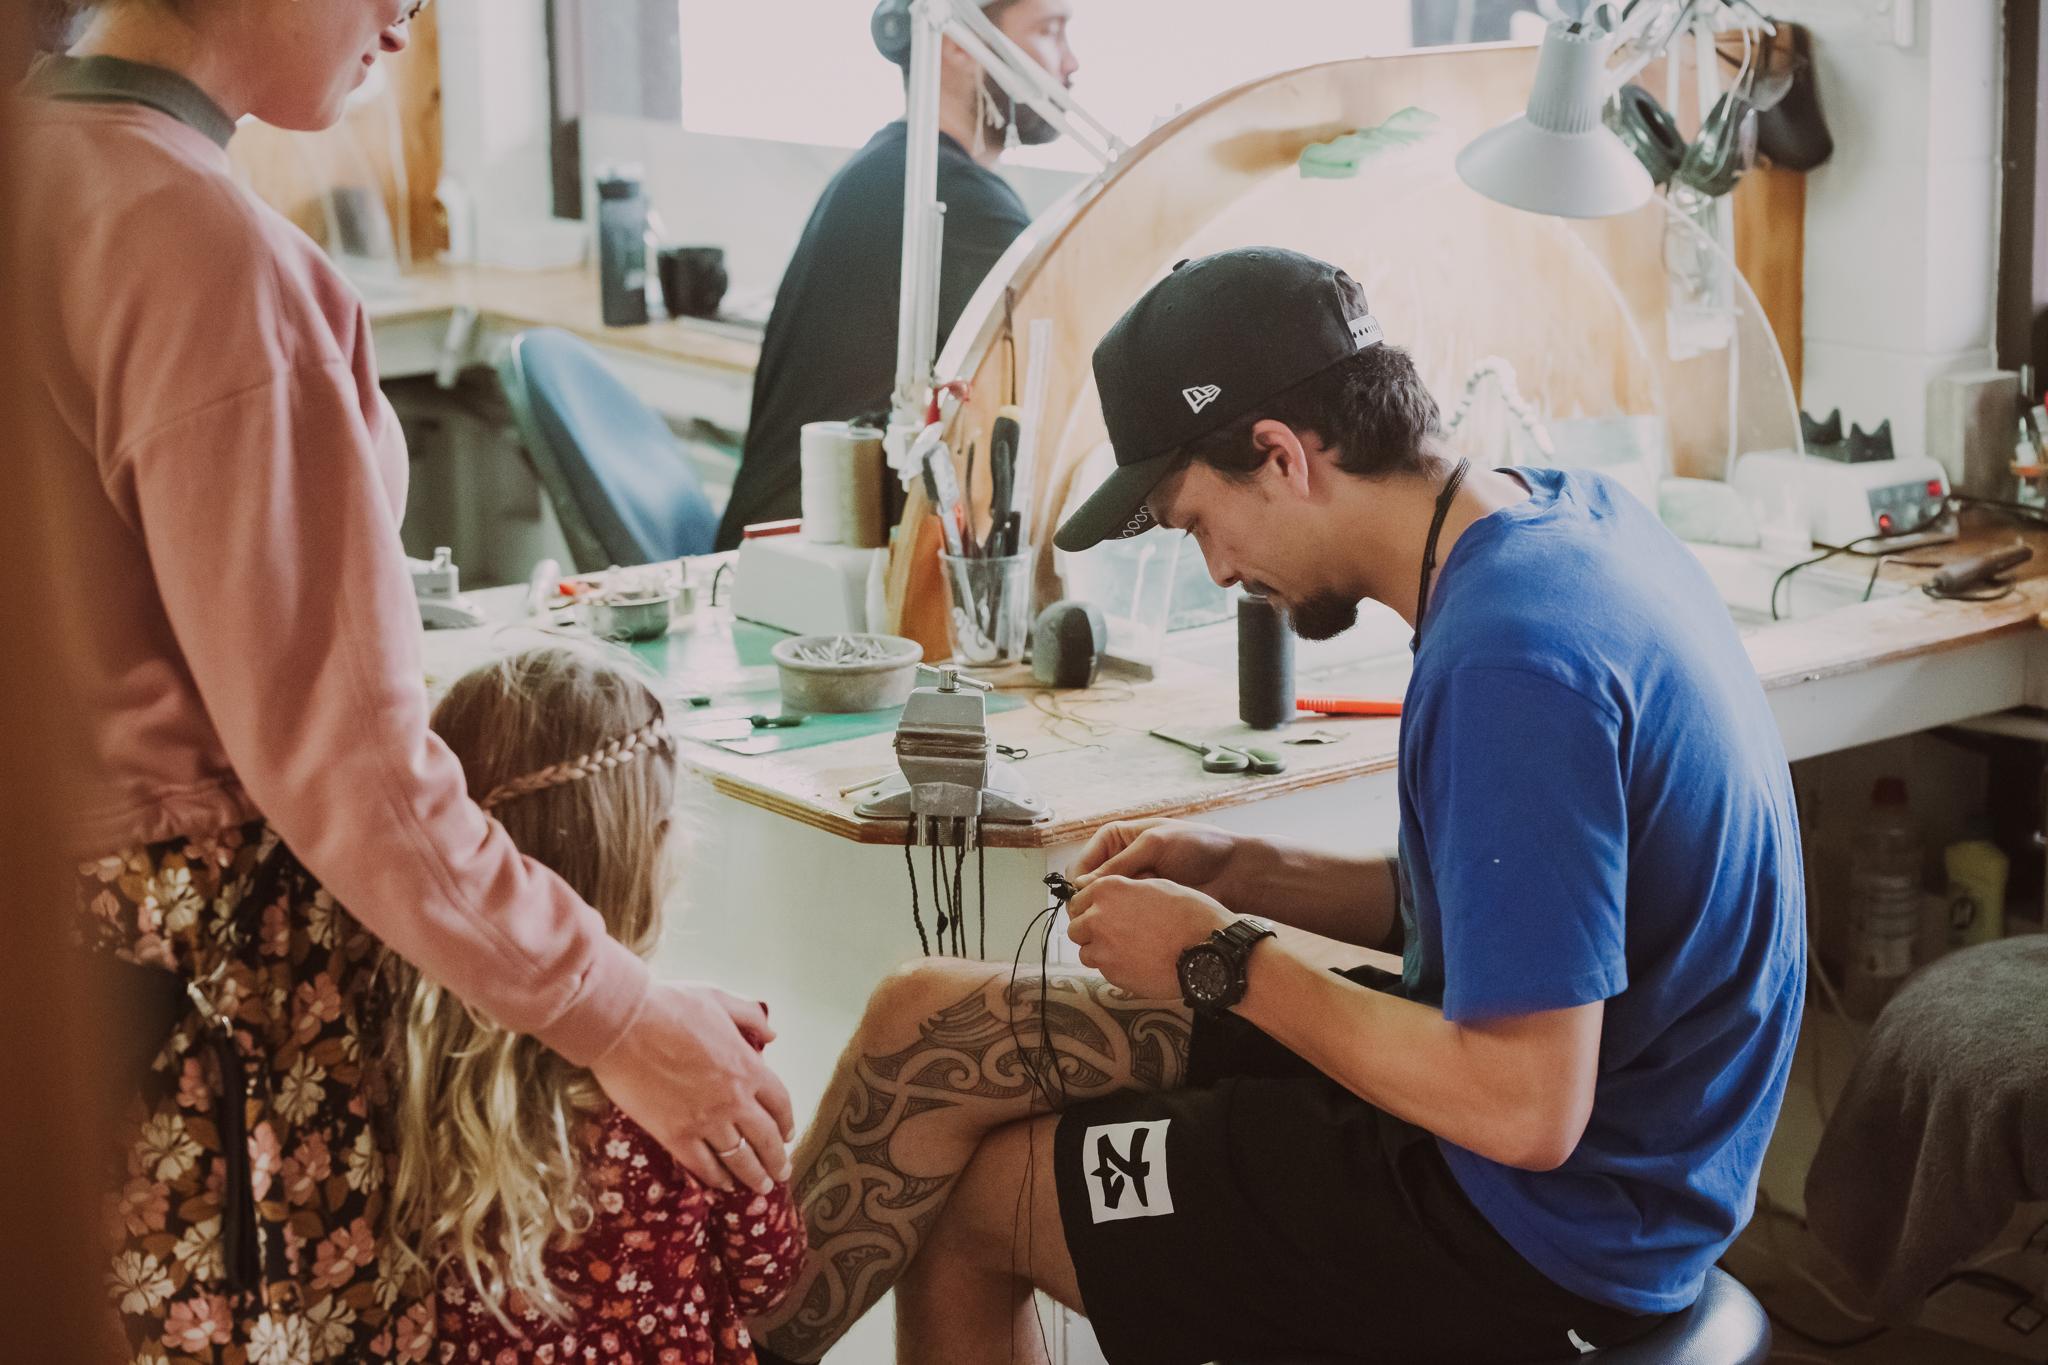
(1533,1142)
(829,354)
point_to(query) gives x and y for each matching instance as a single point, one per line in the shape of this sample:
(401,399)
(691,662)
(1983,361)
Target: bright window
(807,71)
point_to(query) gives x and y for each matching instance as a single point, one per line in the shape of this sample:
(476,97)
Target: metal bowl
(873,672)
(632,618)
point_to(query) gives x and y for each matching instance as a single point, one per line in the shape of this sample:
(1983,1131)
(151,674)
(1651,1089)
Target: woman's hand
(1196,856)
(690,1073)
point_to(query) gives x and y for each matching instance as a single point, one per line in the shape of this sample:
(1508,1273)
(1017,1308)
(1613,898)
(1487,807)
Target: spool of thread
(1265,665)
(842,467)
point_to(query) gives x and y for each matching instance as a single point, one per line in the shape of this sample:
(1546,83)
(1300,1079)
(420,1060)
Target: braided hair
(567,748)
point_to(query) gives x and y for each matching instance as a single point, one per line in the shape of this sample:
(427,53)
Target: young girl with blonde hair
(553,1226)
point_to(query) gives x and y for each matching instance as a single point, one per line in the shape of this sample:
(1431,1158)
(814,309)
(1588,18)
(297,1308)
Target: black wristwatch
(1212,972)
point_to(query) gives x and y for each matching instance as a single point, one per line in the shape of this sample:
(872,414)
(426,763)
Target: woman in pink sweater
(258,799)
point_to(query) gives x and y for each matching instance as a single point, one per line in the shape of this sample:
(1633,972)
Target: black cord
(1033,1061)
(959,894)
(981,886)
(1948,506)
(1999,595)
(916,916)
(2018,511)
(939,893)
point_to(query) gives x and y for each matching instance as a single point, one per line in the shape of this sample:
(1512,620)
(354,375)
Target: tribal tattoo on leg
(919,1086)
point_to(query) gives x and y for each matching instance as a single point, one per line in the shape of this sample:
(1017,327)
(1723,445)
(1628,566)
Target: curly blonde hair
(569,750)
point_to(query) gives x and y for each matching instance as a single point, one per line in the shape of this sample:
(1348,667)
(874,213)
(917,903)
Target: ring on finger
(730,1151)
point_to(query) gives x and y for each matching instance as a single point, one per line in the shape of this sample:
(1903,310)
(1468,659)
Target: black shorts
(1265,1209)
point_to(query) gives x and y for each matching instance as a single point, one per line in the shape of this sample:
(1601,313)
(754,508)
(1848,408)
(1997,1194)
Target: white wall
(752,195)
(494,107)
(1902,223)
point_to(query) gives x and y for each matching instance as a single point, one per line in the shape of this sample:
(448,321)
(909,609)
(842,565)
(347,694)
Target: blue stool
(622,486)
(1725,1326)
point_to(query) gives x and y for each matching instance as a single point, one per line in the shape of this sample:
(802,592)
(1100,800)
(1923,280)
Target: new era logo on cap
(1256,320)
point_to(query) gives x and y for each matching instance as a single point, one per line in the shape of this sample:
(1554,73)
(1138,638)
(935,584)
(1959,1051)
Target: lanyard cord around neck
(1436,526)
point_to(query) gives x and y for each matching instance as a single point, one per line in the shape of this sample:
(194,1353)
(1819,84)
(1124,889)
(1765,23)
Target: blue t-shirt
(1596,805)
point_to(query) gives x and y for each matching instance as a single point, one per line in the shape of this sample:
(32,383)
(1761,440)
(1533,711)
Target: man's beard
(1000,113)
(1323,617)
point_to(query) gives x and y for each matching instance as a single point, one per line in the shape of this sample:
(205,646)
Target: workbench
(442,319)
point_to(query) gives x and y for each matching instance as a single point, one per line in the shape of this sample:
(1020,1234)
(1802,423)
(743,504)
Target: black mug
(693,280)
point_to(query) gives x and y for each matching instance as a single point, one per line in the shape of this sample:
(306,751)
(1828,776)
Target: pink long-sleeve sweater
(229,481)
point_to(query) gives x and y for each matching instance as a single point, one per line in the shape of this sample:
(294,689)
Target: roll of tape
(843,492)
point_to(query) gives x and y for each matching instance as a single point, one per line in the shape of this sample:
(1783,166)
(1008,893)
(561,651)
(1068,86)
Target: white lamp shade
(1559,158)
(1569,175)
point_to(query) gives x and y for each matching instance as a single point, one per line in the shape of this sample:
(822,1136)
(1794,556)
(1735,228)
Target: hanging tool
(1225,758)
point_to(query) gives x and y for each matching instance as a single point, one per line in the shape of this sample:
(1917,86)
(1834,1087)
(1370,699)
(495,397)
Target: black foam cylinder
(1265,665)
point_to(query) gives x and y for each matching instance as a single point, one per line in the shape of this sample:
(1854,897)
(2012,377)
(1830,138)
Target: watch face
(1206,975)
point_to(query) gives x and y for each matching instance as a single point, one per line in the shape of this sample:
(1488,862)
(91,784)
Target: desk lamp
(1023,80)
(1558,157)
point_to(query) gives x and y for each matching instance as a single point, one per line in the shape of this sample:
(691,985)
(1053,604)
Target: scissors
(1224,758)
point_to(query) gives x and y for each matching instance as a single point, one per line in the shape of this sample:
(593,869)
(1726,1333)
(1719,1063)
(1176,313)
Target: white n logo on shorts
(1202,397)
(1126,1170)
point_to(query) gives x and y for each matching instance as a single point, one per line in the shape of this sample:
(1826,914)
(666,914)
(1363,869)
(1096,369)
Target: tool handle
(1002,463)
(950,679)
(1967,574)
(1347,706)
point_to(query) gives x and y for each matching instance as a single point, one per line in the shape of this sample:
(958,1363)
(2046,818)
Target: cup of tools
(990,617)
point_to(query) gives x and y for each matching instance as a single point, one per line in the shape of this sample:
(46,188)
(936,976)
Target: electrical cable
(2032,516)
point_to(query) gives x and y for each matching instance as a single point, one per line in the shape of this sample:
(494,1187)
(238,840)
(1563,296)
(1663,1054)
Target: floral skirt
(294,979)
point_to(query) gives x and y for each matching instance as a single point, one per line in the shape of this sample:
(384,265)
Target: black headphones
(891,29)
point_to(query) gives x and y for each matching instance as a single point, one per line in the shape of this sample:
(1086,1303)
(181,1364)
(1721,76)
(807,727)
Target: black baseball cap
(1205,346)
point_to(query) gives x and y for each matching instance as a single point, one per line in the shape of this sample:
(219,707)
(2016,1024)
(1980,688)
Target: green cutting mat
(732,664)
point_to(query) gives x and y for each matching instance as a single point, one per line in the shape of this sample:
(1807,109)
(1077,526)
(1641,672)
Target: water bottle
(1884,900)
(622,247)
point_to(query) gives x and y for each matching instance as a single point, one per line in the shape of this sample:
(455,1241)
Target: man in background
(830,350)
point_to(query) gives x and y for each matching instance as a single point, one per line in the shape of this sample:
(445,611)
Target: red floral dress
(667,1275)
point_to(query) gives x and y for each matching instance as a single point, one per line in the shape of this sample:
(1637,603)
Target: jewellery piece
(730,1150)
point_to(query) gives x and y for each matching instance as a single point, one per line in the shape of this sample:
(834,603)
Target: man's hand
(689,1071)
(1133,931)
(1196,856)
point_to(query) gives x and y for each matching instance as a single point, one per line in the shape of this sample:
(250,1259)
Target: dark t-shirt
(830,350)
